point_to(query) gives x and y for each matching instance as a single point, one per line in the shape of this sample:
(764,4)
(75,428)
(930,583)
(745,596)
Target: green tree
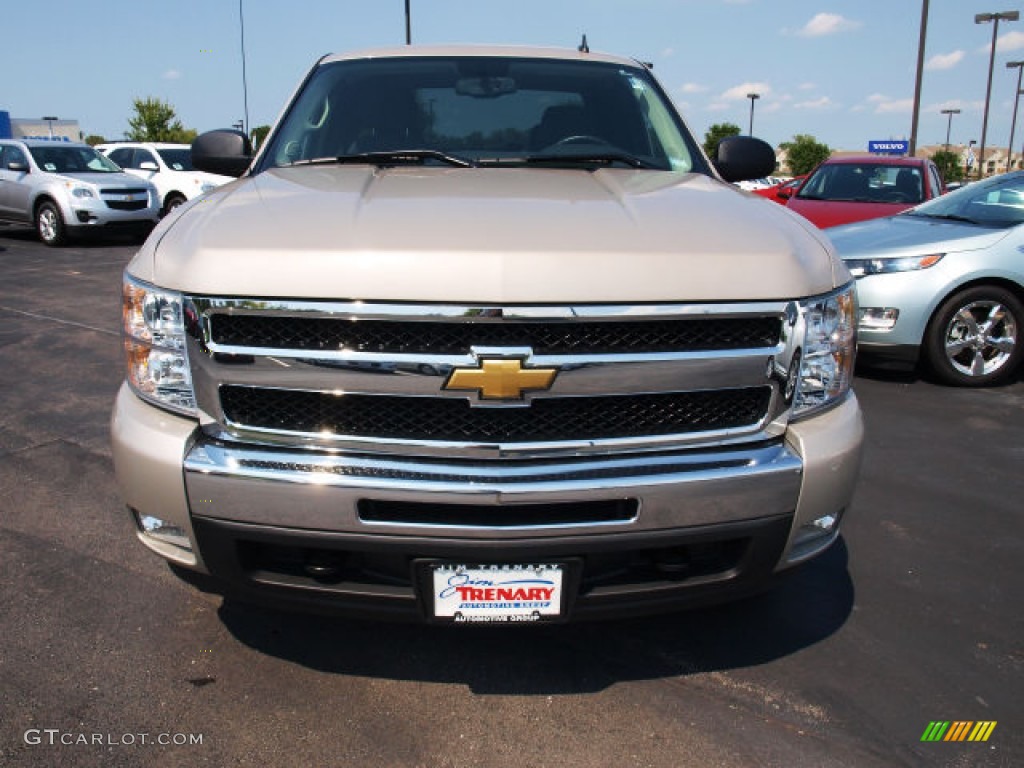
(259,133)
(155,120)
(716,133)
(804,152)
(949,165)
(92,140)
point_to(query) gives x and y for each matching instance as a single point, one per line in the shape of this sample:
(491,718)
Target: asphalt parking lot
(108,660)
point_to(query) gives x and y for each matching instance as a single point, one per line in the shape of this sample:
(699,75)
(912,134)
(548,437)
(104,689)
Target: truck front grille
(456,338)
(447,419)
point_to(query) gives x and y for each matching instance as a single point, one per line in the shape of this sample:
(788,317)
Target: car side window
(122,157)
(11,154)
(144,156)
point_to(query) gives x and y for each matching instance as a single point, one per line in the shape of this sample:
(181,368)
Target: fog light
(815,536)
(83,216)
(878,318)
(161,530)
(826,523)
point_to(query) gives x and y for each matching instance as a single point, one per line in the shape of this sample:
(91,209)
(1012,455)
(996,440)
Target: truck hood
(486,235)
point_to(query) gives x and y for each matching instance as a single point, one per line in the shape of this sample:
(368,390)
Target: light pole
(949,123)
(1019,65)
(49,122)
(245,86)
(917,79)
(984,18)
(753,97)
(408,24)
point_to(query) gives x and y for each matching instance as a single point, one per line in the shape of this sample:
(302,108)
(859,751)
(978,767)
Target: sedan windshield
(58,159)
(996,202)
(864,183)
(483,111)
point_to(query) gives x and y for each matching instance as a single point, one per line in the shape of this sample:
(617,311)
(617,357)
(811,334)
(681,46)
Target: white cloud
(822,103)
(896,106)
(1011,41)
(668,53)
(692,88)
(171,74)
(806,86)
(827,24)
(739,92)
(944,60)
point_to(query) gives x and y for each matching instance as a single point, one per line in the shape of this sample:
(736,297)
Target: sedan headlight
(154,345)
(829,349)
(881,266)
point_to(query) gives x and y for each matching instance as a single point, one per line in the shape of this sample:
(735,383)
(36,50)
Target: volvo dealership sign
(888,147)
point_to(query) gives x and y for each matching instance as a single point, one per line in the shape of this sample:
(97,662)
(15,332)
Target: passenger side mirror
(225,152)
(18,167)
(148,165)
(739,158)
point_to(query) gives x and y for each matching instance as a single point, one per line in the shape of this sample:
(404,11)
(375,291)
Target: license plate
(484,594)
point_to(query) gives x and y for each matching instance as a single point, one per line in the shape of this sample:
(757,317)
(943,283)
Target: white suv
(167,166)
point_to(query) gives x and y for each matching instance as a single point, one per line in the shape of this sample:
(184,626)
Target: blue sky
(842,71)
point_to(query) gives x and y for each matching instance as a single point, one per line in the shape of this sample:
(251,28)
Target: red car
(780,193)
(855,188)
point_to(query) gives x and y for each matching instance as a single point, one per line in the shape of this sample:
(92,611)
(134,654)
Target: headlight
(154,345)
(862,267)
(82,192)
(829,349)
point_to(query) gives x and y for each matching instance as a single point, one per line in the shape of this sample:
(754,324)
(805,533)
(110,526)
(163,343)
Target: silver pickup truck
(481,335)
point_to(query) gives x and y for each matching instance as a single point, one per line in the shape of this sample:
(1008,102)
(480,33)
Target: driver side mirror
(739,158)
(226,152)
(148,165)
(18,167)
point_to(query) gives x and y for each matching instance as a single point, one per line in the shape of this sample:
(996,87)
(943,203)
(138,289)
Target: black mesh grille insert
(546,419)
(498,516)
(456,338)
(135,205)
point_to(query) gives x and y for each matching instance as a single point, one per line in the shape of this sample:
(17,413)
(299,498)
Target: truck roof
(536,52)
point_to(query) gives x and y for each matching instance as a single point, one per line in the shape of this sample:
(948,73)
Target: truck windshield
(484,110)
(57,159)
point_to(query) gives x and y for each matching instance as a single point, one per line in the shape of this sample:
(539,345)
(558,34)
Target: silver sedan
(944,282)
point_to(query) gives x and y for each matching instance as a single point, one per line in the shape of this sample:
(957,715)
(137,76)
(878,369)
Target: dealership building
(38,128)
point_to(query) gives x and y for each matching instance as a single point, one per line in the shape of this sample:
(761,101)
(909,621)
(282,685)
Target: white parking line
(58,320)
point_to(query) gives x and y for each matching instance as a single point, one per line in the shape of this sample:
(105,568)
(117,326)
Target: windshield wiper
(395,157)
(944,217)
(591,158)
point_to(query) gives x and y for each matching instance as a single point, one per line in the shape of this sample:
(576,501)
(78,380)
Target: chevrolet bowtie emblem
(501,379)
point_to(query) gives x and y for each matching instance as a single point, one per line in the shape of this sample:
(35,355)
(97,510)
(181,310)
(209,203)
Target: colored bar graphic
(958,730)
(982,731)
